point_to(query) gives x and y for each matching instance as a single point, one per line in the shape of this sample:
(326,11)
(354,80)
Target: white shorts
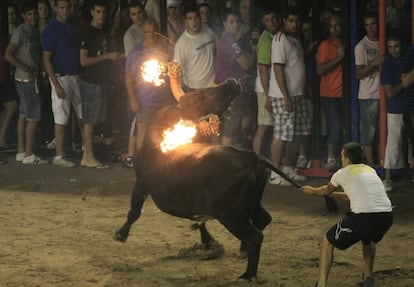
(393,150)
(264,117)
(61,107)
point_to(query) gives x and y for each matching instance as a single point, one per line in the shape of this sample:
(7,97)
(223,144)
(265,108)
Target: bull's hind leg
(260,218)
(252,238)
(139,195)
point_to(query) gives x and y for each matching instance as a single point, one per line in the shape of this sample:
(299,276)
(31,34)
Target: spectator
(134,34)
(407,80)
(96,63)
(264,106)
(45,13)
(23,52)
(391,80)
(175,21)
(61,62)
(145,99)
(232,61)
(287,92)
(8,97)
(330,56)
(12,18)
(195,51)
(368,220)
(367,62)
(206,14)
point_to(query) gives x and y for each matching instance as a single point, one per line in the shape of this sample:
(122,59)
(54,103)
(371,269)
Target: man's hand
(209,125)
(113,56)
(287,102)
(60,92)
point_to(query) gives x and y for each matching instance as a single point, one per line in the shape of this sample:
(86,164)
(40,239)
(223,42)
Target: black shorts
(365,227)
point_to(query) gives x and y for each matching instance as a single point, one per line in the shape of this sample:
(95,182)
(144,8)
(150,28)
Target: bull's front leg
(139,195)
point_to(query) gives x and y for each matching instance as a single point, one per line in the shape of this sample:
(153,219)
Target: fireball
(151,72)
(182,133)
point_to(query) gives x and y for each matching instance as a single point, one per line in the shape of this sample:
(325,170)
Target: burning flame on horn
(182,133)
(151,72)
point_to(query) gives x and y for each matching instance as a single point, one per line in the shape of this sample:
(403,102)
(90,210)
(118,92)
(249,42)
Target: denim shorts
(92,103)
(332,107)
(30,102)
(368,121)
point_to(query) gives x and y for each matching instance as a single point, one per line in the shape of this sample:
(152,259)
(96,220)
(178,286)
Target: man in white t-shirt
(367,62)
(287,94)
(370,214)
(195,51)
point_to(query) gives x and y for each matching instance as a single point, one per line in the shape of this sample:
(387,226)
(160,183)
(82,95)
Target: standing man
(329,59)
(61,62)
(195,51)
(133,35)
(264,106)
(287,92)
(23,52)
(367,62)
(95,74)
(407,80)
(370,216)
(396,102)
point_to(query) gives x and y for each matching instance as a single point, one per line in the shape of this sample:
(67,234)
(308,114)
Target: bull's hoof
(119,237)
(247,278)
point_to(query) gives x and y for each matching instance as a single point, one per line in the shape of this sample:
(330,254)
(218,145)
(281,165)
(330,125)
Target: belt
(64,75)
(22,80)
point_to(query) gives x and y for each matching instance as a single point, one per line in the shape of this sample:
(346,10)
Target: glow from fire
(151,72)
(182,133)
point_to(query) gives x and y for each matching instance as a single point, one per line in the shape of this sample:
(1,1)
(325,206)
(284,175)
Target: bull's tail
(331,205)
(264,161)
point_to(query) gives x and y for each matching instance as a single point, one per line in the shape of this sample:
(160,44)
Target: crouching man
(370,214)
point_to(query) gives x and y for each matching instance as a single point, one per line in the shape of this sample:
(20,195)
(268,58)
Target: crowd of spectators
(70,64)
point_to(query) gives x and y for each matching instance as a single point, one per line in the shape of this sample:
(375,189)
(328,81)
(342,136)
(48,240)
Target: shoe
(331,164)
(302,162)
(33,160)
(292,174)
(366,282)
(387,185)
(51,144)
(128,160)
(20,156)
(63,162)
(278,180)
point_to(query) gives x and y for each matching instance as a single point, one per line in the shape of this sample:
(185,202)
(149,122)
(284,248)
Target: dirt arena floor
(56,228)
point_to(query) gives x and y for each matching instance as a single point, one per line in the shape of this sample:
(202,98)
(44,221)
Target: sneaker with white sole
(278,180)
(20,156)
(51,144)
(387,185)
(33,160)
(302,162)
(60,161)
(292,174)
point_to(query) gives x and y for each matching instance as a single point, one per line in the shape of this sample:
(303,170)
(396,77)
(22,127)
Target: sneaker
(51,144)
(331,164)
(387,185)
(128,160)
(291,173)
(20,156)
(33,160)
(302,162)
(278,180)
(63,162)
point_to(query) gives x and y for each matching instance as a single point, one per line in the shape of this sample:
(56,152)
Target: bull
(201,181)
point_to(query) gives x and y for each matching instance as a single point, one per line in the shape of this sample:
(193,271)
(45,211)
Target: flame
(182,133)
(151,72)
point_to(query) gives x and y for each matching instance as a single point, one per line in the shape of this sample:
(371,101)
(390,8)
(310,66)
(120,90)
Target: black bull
(201,181)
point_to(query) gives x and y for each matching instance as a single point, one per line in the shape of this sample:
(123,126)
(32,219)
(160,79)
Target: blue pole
(353,81)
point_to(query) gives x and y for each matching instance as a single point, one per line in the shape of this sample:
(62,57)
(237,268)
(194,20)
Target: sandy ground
(57,226)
